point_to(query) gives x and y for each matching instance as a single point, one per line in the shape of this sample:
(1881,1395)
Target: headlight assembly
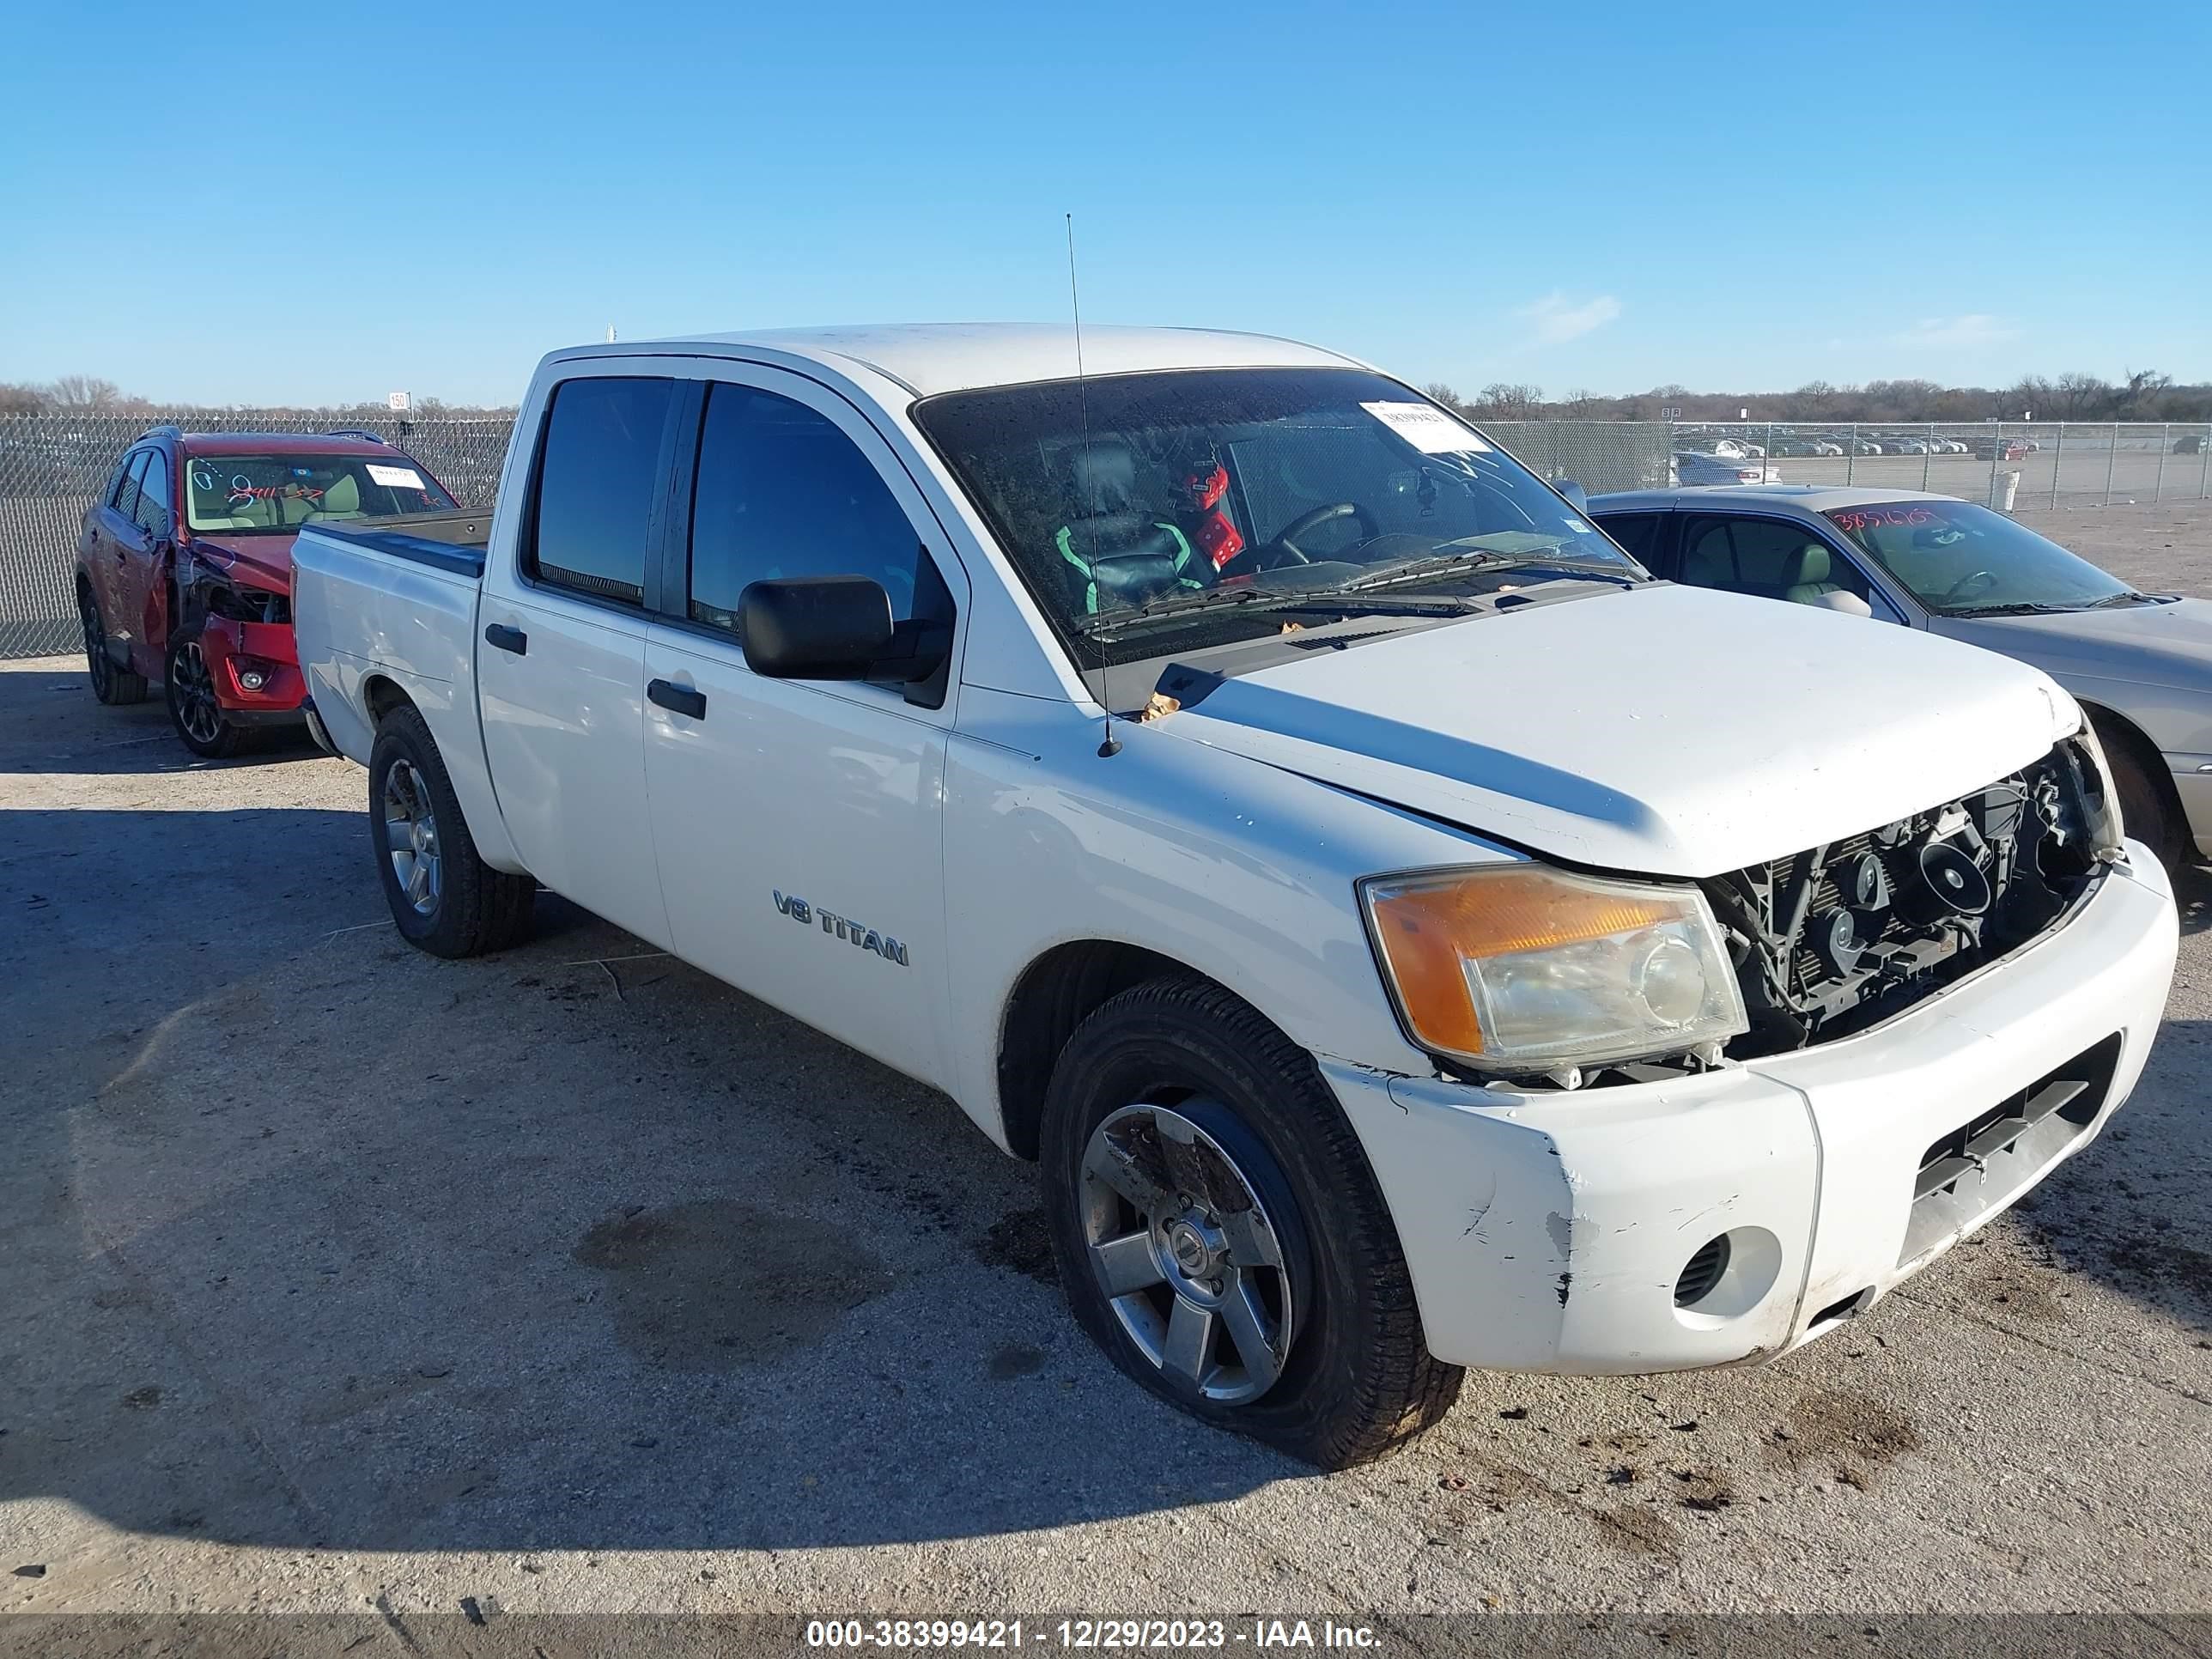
(1519,968)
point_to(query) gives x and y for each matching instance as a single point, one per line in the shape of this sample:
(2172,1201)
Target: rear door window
(1637,532)
(1770,558)
(600,472)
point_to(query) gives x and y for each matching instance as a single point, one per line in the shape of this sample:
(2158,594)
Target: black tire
(2147,809)
(110,685)
(475,908)
(200,723)
(1357,1379)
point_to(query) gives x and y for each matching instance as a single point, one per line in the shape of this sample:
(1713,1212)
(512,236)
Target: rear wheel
(110,685)
(189,687)
(442,895)
(1221,1235)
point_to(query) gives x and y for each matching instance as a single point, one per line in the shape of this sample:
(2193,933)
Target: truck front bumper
(1552,1232)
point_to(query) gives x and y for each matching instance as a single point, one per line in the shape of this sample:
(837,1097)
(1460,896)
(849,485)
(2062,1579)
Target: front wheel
(1221,1235)
(443,896)
(189,686)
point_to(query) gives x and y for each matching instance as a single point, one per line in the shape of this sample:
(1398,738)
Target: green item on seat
(1090,582)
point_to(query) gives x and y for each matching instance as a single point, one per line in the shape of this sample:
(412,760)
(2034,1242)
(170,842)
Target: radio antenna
(1109,745)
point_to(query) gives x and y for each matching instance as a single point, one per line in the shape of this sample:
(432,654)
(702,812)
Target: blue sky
(323,203)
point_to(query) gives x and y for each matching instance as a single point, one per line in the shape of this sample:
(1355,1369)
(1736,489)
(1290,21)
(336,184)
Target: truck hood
(255,561)
(1663,729)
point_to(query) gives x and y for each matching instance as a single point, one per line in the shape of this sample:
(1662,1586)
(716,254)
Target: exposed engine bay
(1840,937)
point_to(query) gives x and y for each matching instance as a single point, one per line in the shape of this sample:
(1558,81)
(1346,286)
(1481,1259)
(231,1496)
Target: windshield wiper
(2016,608)
(2129,598)
(1445,564)
(1303,599)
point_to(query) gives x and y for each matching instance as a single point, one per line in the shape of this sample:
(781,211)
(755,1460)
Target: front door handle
(682,699)
(508,639)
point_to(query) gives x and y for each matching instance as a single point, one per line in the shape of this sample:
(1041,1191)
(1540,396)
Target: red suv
(184,567)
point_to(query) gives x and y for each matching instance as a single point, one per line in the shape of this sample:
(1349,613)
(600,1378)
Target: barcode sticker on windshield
(1428,429)
(403,478)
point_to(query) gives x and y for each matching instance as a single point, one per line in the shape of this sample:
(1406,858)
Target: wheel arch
(2109,723)
(380,694)
(1053,995)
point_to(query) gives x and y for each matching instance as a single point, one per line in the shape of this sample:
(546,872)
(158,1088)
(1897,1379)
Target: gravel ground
(335,1275)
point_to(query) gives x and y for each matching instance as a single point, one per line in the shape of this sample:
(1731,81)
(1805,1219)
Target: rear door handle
(680,698)
(508,639)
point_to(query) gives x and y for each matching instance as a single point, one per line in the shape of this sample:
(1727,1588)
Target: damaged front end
(245,638)
(1839,937)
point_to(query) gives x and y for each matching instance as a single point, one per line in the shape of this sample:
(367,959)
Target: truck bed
(452,539)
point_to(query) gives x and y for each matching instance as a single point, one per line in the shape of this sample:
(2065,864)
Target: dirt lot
(334,1275)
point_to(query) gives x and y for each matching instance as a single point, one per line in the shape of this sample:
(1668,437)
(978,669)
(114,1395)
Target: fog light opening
(1727,1276)
(1702,1271)
(252,678)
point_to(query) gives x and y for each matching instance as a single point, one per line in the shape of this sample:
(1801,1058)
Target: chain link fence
(52,467)
(2012,466)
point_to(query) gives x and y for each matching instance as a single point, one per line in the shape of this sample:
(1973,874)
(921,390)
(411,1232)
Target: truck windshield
(1962,560)
(1132,503)
(275,495)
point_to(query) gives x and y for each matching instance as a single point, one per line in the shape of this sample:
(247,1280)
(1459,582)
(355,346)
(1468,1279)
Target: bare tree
(1444,395)
(83,392)
(2082,397)
(1815,396)
(21,399)
(1500,401)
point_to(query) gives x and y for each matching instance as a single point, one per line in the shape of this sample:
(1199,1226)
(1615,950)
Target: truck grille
(1832,939)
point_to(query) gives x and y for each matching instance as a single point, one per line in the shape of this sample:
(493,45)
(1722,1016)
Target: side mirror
(1851,604)
(1577,497)
(815,628)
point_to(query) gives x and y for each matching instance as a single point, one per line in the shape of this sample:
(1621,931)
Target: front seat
(1805,576)
(1117,555)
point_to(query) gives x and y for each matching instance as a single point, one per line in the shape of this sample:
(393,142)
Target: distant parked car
(1904,445)
(201,598)
(2011,449)
(1692,468)
(1826,447)
(1865,447)
(2189,444)
(2140,663)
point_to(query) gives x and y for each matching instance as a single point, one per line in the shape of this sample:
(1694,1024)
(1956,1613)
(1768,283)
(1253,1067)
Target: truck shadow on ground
(315,1241)
(58,727)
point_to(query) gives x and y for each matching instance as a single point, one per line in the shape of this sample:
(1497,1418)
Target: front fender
(1240,871)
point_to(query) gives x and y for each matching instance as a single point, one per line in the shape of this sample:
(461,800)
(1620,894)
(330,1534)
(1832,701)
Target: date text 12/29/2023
(1115,1634)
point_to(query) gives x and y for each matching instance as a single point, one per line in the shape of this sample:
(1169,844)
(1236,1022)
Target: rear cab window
(601,469)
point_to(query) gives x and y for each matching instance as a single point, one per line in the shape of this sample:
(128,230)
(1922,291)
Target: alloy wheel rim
(193,693)
(1190,1263)
(96,644)
(411,837)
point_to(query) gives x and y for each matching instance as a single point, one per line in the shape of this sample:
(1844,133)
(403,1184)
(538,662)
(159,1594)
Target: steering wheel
(1958,590)
(1286,539)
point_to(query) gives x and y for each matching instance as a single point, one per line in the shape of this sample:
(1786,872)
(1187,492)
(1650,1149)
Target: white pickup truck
(1407,936)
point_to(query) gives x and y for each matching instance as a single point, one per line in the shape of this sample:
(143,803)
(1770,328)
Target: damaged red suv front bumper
(255,669)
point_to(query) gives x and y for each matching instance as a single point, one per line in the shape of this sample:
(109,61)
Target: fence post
(1851,453)
(2057,461)
(2165,443)
(2204,464)
(1997,457)
(1927,454)
(2112,460)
